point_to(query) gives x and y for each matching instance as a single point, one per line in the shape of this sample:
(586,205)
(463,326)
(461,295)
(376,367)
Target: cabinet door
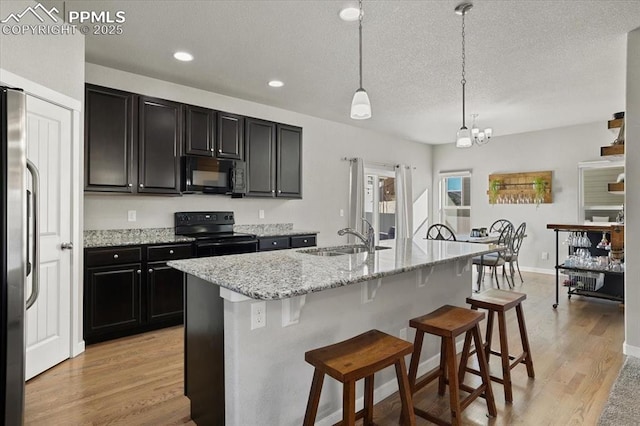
(230,136)
(199,131)
(165,297)
(289,161)
(108,140)
(159,143)
(260,139)
(112,299)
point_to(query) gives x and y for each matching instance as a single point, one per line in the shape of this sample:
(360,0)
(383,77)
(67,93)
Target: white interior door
(48,330)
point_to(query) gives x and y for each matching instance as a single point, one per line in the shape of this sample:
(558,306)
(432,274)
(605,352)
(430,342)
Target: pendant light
(463,137)
(360,106)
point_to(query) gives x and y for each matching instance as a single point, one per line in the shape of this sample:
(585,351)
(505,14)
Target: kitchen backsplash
(264,229)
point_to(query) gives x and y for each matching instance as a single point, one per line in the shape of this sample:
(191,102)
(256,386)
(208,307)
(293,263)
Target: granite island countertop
(287,273)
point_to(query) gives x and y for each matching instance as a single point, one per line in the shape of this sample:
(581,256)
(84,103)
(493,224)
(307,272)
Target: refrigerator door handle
(28,248)
(35,278)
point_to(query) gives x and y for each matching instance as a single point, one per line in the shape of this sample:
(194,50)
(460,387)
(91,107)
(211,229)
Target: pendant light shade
(463,138)
(360,106)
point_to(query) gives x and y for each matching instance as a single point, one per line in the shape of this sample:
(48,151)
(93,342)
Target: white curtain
(404,202)
(356,195)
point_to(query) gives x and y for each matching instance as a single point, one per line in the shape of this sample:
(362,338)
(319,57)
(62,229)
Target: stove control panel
(204,218)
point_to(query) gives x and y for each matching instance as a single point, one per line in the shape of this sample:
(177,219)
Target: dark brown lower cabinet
(129,290)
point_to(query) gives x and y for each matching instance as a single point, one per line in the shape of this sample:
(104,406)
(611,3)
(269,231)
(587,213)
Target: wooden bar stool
(501,301)
(354,359)
(448,322)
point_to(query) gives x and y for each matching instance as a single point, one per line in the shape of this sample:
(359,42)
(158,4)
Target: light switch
(131,215)
(261,214)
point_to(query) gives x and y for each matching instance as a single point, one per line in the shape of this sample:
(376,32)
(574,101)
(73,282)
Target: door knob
(66,246)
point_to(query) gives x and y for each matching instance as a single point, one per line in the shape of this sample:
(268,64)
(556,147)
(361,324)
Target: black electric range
(213,232)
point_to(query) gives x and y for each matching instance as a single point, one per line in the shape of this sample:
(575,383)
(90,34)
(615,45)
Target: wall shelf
(615,123)
(616,188)
(612,150)
(517,188)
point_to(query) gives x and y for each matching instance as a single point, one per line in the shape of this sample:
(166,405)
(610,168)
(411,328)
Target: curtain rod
(375,163)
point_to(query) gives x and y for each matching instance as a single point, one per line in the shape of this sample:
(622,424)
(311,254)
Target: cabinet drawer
(303,241)
(274,243)
(113,256)
(169,252)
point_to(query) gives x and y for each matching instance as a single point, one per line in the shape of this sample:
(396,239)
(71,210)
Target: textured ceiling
(530,64)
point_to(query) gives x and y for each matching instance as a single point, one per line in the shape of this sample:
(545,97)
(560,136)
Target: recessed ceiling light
(183,56)
(350,14)
(276,83)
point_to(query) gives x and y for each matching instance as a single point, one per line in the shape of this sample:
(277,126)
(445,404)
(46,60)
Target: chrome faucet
(369,238)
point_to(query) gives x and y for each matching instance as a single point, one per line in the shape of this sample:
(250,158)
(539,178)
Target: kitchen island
(301,300)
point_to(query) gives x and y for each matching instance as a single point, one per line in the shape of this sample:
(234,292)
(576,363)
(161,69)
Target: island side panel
(267,380)
(204,351)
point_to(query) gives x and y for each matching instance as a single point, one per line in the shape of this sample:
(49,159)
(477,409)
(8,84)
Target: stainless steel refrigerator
(19,259)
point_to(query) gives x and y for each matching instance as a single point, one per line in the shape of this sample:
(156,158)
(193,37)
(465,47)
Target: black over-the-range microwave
(213,176)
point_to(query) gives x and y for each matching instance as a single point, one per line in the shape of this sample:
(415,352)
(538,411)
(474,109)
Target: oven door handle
(238,243)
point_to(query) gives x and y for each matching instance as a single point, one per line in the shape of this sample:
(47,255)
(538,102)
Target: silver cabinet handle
(141,186)
(220,151)
(212,150)
(279,191)
(150,270)
(273,191)
(304,241)
(130,185)
(35,277)
(66,246)
(275,243)
(138,272)
(115,256)
(170,251)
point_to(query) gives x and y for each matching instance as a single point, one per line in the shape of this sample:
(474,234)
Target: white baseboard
(77,349)
(388,388)
(633,351)
(538,270)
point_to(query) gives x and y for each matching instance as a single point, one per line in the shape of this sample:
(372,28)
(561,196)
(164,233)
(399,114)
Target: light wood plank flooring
(577,353)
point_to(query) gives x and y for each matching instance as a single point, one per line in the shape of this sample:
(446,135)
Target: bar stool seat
(500,301)
(448,322)
(354,359)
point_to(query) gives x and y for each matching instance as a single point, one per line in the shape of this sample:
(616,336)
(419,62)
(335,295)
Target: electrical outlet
(258,315)
(131,215)
(545,255)
(403,333)
(341,212)
(261,214)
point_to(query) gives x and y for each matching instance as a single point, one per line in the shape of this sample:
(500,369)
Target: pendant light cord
(463,81)
(360,43)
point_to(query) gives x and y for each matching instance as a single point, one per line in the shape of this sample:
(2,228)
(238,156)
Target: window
(597,204)
(380,202)
(455,201)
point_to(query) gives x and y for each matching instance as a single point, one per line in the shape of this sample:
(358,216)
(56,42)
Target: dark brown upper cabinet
(274,159)
(159,142)
(200,124)
(230,136)
(289,161)
(110,157)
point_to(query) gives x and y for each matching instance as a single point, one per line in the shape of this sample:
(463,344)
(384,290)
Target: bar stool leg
(524,337)
(464,358)
(442,380)
(504,355)
(489,335)
(407,417)
(415,360)
(368,400)
(349,403)
(314,398)
(454,391)
(484,373)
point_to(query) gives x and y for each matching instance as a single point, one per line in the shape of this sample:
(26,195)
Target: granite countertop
(287,273)
(272,230)
(132,237)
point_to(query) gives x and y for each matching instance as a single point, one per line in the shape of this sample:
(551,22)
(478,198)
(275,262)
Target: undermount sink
(337,251)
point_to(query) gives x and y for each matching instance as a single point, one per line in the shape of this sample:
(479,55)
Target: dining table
(492,238)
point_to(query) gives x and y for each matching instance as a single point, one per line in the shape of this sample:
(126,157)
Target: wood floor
(577,353)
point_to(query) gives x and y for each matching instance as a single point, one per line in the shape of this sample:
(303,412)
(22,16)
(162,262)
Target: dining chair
(511,255)
(495,260)
(439,231)
(499,225)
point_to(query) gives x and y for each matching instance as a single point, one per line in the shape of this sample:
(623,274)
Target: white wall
(632,199)
(54,61)
(325,175)
(559,150)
